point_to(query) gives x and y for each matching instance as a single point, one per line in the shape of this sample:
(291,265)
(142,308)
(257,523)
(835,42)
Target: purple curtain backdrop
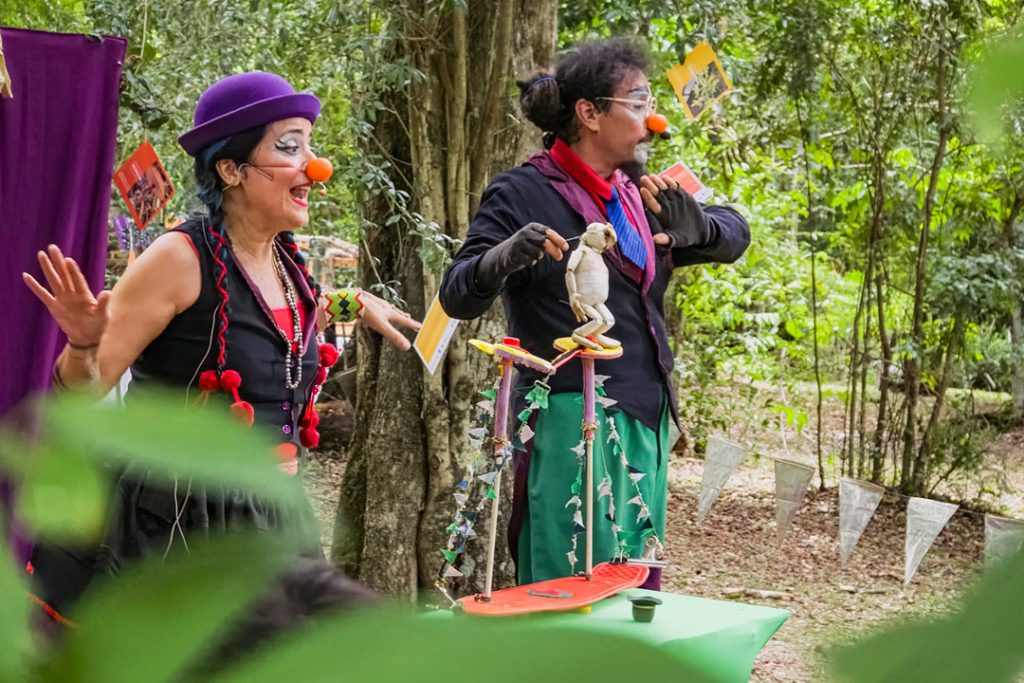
(57,142)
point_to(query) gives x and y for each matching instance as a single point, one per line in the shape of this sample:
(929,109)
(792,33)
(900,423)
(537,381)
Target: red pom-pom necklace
(228,381)
(308,435)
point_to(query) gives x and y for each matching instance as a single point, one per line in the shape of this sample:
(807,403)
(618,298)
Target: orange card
(144,184)
(688,181)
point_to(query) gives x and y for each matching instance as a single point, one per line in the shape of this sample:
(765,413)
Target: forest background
(884,273)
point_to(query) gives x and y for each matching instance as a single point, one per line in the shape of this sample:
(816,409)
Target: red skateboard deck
(559,595)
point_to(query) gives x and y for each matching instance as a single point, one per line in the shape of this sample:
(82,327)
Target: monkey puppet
(586,278)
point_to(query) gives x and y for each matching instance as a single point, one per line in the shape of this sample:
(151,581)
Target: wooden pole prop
(500,451)
(589,427)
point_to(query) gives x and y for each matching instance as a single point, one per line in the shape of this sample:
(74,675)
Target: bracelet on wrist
(358,296)
(83,347)
(343,306)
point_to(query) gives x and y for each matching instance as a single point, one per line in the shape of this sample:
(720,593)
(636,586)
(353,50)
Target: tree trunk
(449,132)
(912,466)
(882,421)
(952,350)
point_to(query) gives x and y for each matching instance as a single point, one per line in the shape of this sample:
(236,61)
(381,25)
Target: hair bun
(540,98)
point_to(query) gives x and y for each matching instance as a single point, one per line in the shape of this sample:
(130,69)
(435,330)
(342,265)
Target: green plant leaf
(158,618)
(997,79)
(63,497)
(14,612)
(979,643)
(441,648)
(162,435)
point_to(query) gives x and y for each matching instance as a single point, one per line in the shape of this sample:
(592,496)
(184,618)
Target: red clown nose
(657,124)
(319,170)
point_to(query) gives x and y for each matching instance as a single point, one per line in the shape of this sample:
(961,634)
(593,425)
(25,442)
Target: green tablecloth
(718,637)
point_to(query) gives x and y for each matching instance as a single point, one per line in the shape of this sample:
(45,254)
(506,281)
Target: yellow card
(699,81)
(434,336)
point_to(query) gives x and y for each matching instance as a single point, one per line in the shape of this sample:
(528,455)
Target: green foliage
(981,642)
(14,614)
(997,85)
(155,620)
(441,648)
(55,474)
(159,620)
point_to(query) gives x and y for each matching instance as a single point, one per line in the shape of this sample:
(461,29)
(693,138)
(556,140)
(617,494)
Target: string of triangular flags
(468,505)
(858,501)
(605,489)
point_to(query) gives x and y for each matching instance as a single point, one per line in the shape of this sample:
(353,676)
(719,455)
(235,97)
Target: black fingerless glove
(519,251)
(682,219)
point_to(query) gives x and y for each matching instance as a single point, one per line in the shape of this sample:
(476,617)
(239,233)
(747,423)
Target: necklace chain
(290,359)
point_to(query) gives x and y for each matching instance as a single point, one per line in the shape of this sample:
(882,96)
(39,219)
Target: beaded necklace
(290,360)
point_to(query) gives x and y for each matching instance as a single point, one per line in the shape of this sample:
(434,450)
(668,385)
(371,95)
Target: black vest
(188,345)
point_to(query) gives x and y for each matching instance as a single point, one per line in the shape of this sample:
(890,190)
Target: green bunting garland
(461,529)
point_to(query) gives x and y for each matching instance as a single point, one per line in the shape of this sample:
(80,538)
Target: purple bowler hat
(244,101)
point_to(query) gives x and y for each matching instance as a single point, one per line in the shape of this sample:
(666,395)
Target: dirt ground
(735,550)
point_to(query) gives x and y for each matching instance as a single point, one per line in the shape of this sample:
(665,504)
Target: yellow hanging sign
(699,81)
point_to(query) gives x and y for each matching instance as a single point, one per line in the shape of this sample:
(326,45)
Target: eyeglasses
(648,105)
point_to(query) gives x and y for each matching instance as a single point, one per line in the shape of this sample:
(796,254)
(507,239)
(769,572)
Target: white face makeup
(642,153)
(624,125)
(279,189)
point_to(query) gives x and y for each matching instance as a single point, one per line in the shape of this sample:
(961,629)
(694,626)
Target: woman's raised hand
(378,315)
(82,316)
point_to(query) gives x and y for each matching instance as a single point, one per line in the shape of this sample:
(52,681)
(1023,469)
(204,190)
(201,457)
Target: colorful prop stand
(508,353)
(570,592)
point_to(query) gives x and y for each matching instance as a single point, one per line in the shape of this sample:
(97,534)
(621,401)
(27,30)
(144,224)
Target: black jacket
(536,301)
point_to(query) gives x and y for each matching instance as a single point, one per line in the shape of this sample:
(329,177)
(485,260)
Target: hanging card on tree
(144,184)
(700,80)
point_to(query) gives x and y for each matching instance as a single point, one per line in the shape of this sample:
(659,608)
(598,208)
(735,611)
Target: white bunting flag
(1003,537)
(720,460)
(578,518)
(925,519)
(791,482)
(451,572)
(857,503)
(525,434)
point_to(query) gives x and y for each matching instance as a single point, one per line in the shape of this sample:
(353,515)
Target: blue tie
(630,244)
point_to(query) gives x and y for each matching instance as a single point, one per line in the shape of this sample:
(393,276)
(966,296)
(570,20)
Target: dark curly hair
(588,72)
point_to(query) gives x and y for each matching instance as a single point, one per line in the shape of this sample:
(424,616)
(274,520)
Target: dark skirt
(152,519)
